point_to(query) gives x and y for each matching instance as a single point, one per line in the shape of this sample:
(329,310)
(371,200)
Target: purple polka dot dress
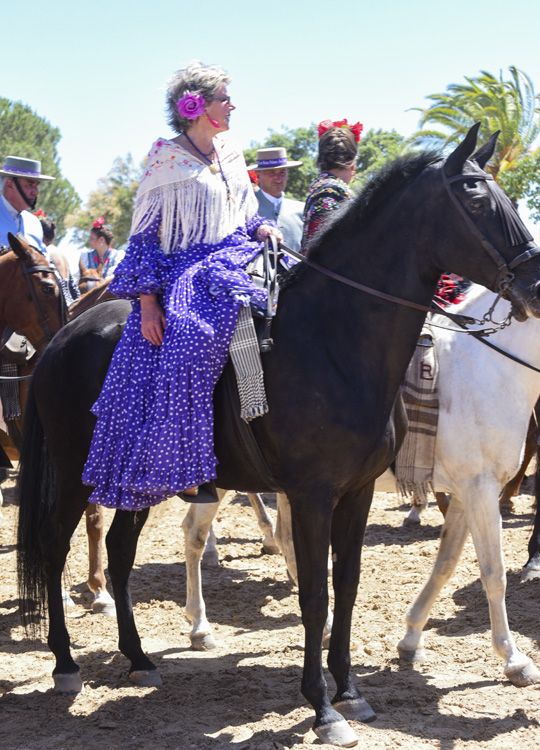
(154,431)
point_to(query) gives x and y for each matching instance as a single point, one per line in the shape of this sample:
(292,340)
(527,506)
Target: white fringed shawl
(191,197)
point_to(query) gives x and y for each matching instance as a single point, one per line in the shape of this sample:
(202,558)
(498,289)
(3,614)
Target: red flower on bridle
(40,213)
(355,129)
(98,223)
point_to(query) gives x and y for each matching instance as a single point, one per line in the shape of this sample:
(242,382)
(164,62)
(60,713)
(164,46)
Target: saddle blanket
(416,457)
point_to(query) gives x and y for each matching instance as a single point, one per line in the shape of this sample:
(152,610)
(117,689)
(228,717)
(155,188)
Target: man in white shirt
(272,170)
(19,188)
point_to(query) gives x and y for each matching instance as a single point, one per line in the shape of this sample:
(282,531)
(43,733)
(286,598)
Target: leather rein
(505,269)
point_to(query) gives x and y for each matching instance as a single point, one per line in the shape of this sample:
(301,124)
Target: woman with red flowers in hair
(338,147)
(102,257)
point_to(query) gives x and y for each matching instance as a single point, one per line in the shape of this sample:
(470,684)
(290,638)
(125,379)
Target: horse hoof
(270,548)
(67,601)
(412,520)
(338,733)
(69,683)
(211,559)
(203,642)
(146,678)
(416,656)
(532,569)
(529,574)
(103,604)
(523,676)
(356,709)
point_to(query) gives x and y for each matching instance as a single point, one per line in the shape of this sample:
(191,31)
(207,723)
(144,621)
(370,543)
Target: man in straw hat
(20,180)
(272,169)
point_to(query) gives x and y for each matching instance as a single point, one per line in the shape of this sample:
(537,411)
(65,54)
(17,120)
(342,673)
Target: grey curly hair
(197,78)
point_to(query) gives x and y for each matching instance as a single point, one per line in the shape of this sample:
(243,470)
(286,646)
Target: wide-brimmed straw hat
(273,158)
(16,166)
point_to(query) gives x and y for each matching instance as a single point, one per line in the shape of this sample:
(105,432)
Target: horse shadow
(231,594)
(522,606)
(210,702)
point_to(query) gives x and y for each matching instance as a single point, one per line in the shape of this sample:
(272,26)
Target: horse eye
(470,184)
(48,289)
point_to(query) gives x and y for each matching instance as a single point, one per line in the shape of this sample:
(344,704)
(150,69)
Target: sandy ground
(245,694)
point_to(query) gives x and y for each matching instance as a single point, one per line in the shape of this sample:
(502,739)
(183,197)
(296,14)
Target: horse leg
(55,537)
(121,542)
(284,542)
(453,535)
(211,554)
(532,568)
(95,529)
(418,505)
(485,524)
(196,525)
(443,501)
(265,523)
(311,525)
(348,527)
(512,487)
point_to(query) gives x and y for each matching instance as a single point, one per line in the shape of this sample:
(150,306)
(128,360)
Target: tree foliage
(523,183)
(376,148)
(113,199)
(24,133)
(506,104)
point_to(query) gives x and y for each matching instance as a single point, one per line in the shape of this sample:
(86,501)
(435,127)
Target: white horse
(486,401)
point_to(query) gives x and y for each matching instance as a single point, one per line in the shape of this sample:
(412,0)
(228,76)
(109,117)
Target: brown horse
(89,279)
(32,303)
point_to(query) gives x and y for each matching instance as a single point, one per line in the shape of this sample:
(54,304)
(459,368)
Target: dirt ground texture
(246,693)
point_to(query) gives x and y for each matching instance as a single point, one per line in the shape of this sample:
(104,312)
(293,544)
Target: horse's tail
(35,489)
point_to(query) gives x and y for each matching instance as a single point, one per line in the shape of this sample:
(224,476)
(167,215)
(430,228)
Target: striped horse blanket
(416,457)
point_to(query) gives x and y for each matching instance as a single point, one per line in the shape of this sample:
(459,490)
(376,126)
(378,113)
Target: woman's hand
(265,230)
(152,319)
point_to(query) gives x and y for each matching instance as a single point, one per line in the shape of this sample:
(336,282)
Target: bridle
(28,271)
(504,278)
(505,269)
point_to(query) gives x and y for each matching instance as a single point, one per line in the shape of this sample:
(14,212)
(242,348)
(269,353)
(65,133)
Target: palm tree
(511,106)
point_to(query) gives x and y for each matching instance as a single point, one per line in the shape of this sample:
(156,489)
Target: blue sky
(98,70)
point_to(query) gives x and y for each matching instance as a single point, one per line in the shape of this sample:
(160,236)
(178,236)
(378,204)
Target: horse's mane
(378,191)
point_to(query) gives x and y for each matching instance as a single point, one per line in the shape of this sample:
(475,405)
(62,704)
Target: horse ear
(454,163)
(21,248)
(485,152)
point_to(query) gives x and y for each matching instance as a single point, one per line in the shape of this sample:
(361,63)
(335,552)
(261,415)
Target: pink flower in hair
(191,105)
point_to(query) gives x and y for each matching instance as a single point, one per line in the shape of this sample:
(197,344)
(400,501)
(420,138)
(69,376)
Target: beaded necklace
(206,158)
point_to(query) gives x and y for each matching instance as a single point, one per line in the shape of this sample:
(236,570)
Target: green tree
(523,182)
(24,133)
(113,199)
(506,104)
(377,147)
(301,145)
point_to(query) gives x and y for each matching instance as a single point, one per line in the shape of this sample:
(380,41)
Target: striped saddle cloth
(416,457)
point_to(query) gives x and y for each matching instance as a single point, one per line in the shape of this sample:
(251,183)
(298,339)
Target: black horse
(332,381)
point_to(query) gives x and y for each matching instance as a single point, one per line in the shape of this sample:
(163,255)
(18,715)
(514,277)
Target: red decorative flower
(355,129)
(40,213)
(98,223)
(253,176)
